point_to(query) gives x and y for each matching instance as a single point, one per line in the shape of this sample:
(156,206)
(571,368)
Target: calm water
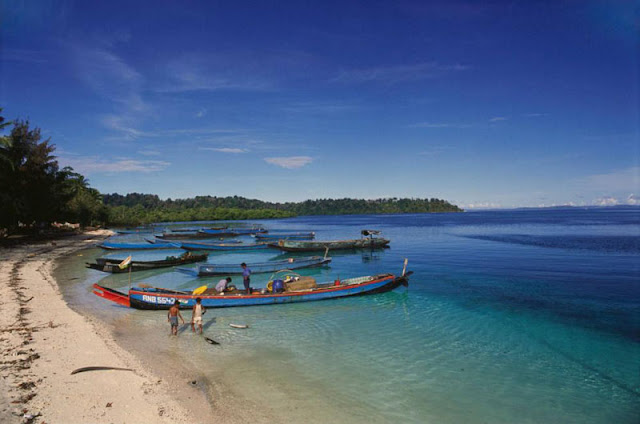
(510,316)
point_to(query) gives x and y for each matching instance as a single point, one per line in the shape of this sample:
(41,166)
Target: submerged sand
(42,341)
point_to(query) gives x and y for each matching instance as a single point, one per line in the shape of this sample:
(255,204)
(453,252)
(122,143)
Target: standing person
(172,317)
(222,284)
(196,315)
(246,274)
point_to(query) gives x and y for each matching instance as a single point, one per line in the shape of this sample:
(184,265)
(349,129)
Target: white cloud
(482,205)
(632,199)
(108,75)
(290,162)
(201,113)
(606,201)
(498,119)
(124,124)
(94,165)
(398,73)
(225,149)
(202,72)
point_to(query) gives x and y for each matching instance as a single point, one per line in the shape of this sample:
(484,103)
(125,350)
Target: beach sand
(42,341)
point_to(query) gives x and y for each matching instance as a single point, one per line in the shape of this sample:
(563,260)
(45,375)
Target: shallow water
(510,316)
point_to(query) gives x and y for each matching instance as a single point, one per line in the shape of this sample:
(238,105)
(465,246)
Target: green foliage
(137,208)
(34,191)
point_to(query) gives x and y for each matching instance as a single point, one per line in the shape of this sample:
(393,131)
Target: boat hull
(160,299)
(229,269)
(313,246)
(222,246)
(112,266)
(285,236)
(138,246)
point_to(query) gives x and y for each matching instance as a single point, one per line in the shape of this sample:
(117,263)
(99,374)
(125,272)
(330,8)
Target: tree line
(150,208)
(35,192)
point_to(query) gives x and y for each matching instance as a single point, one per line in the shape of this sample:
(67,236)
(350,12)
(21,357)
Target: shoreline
(43,339)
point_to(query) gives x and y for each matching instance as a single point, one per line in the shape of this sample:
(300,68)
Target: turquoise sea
(527,316)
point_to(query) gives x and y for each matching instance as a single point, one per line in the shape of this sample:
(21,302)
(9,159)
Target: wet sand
(42,341)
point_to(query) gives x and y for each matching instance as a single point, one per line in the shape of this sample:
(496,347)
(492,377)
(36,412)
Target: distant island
(35,192)
(136,208)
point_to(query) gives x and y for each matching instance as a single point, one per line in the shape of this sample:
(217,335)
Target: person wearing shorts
(196,315)
(172,317)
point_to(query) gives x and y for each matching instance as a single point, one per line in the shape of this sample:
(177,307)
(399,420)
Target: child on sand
(196,315)
(172,317)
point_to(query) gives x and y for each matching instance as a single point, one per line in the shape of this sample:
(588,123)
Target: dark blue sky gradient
(494,104)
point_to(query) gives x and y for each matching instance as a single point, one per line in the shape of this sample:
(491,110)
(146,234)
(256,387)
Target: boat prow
(112,295)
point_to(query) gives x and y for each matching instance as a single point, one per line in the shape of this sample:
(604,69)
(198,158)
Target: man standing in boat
(246,274)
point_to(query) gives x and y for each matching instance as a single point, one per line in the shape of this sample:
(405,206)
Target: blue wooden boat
(112,265)
(158,298)
(137,246)
(285,236)
(203,270)
(367,241)
(140,231)
(193,234)
(223,246)
(233,231)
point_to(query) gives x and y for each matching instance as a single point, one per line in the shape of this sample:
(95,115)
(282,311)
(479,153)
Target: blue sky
(485,104)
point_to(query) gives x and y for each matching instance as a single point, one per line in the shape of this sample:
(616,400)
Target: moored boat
(195,234)
(158,298)
(112,265)
(318,245)
(137,246)
(285,236)
(203,270)
(223,246)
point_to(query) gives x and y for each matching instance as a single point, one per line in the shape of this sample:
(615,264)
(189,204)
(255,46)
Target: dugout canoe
(285,236)
(158,298)
(111,265)
(223,246)
(204,270)
(319,245)
(137,246)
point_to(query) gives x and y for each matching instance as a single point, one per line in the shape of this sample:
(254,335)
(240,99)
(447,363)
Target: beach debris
(161,411)
(211,341)
(238,326)
(109,405)
(84,369)
(193,382)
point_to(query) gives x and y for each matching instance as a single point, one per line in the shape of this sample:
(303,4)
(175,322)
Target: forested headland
(145,208)
(35,192)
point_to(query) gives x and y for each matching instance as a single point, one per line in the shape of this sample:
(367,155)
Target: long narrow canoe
(318,245)
(137,246)
(223,246)
(198,234)
(285,236)
(232,232)
(258,267)
(157,298)
(111,265)
(141,231)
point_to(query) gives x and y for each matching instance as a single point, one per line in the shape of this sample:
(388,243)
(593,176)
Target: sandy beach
(43,340)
